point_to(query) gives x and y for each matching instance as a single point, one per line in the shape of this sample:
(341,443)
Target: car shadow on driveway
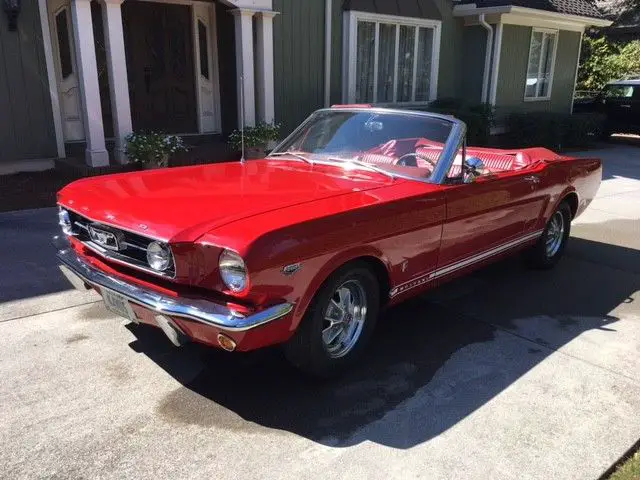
(433,361)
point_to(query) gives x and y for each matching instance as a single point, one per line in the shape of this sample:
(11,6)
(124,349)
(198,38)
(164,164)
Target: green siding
(26,120)
(513,69)
(299,51)
(451,39)
(336,51)
(299,57)
(298,42)
(451,47)
(472,68)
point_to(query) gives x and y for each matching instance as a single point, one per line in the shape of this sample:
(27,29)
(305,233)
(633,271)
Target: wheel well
(381,273)
(572,201)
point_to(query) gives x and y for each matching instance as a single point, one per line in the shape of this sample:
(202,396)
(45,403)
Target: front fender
(329,265)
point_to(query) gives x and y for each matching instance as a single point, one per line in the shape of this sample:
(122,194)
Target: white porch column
(244,64)
(118,84)
(264,65)
(96,154)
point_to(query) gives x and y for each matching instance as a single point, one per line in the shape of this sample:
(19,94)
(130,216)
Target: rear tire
(550,246)
(338,324)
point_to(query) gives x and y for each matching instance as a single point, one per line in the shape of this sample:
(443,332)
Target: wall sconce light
(12,9)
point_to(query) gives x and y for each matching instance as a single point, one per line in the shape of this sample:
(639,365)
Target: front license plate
(118,304)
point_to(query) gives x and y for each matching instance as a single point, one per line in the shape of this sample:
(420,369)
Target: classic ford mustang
(358,209)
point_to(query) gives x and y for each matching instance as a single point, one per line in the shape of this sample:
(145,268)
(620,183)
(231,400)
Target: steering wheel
(404,161)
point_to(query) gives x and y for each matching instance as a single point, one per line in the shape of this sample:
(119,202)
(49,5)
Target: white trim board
(575,78)
(51,78)
(529,17)
(495,67)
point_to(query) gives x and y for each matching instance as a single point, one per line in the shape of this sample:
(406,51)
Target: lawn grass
(630,470)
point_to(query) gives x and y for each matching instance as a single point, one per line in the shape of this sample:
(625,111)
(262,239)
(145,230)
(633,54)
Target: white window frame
(350,30)
(547,31)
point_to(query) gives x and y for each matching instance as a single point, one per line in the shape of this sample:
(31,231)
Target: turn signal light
(226,343)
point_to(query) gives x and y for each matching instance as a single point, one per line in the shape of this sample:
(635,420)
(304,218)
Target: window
(542,54)
(64,44)
(391,59)
(618,91)
(204,49)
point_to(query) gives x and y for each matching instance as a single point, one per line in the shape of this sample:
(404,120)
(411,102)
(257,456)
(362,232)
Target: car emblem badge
(103,238)
(291,269)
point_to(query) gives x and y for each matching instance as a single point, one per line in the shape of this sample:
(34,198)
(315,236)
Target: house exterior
(86,73)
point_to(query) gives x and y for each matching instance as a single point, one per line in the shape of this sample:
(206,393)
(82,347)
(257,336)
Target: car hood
(181,204)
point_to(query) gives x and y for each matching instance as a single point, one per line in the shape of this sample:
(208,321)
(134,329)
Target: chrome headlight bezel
(64,220)
(233,271)
(159,256)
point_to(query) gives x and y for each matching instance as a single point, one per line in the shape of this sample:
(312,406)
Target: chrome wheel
(555,234)
(344,318)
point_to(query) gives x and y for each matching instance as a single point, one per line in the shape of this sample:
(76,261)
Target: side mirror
(472,169)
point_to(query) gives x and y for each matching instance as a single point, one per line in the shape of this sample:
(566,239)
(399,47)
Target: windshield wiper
(365,165)
(291,154)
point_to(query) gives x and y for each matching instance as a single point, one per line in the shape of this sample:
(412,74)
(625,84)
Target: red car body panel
(180,204)
(278,213)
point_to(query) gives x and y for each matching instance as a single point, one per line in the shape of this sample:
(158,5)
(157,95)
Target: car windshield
(394,143)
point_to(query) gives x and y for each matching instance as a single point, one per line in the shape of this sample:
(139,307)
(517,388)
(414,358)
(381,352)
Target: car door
(635,108)
(489,216)
(617,101)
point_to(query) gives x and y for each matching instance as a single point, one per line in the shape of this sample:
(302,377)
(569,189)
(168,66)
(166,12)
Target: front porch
(168,65)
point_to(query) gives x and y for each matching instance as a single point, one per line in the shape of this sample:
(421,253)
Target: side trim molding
(451,268)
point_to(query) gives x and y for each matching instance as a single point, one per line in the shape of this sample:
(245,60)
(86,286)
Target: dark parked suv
(620,102)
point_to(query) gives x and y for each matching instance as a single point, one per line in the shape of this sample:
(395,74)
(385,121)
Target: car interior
(424,154)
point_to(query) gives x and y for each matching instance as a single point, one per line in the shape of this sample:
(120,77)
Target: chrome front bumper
(81,274)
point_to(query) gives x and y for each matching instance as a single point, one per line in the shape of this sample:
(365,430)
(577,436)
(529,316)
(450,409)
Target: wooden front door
(159,49)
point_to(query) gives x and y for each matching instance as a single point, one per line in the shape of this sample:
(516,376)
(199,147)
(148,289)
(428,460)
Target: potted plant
(256,139)
(152,149)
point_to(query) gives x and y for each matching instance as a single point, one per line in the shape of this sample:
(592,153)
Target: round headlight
(65,221)
(233,271)
(158,256)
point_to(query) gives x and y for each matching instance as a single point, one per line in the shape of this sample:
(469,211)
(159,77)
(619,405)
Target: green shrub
(477,117)
(152,147)
(602,61)
(554,130)
(258,136)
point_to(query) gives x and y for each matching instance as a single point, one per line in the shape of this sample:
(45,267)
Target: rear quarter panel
(571,175)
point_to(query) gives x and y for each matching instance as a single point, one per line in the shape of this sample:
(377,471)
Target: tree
(618,7)
(596,63)
(602,61)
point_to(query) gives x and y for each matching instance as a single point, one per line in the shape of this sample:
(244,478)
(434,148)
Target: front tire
(550,247)
(338,324)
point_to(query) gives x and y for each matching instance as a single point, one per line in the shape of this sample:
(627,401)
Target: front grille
(131,247)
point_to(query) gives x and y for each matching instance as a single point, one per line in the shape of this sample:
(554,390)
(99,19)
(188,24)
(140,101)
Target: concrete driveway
(508,373)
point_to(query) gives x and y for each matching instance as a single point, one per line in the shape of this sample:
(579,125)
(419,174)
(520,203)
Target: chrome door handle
(532,179)
(625,106)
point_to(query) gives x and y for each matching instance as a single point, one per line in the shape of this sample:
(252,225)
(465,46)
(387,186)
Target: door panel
(618,105)
(635,108)
(159,50)
(489,212)
(64,58)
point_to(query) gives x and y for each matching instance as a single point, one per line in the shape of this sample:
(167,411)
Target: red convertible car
(358,209)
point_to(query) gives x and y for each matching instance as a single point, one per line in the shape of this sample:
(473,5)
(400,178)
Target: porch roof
(583,8)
